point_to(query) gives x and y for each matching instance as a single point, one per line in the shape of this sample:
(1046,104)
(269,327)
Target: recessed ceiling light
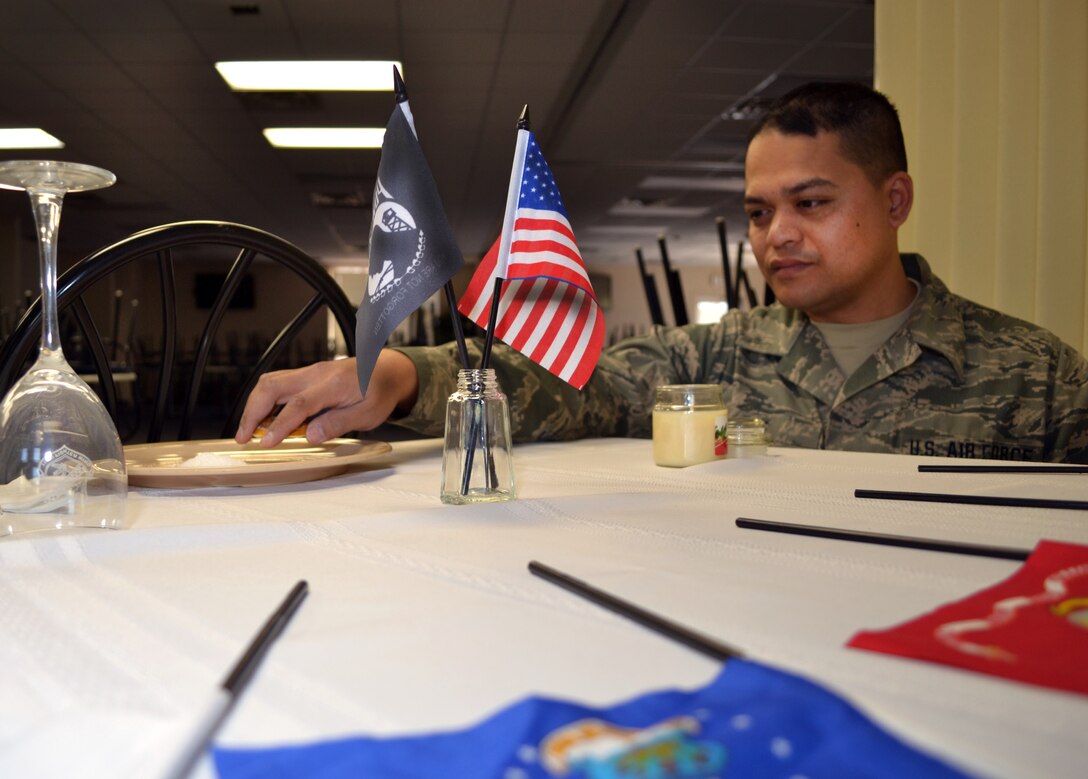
(325,137)
(321,76)
(28,138)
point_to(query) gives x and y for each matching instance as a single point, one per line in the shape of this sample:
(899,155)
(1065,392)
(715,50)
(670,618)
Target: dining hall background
(994,100)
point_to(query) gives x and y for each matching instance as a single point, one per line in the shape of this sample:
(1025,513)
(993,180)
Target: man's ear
(900,194)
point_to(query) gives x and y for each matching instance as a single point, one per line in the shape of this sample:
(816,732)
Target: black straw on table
(884,539)
(677,632)
(232,686)
(974,500)
(1025,468)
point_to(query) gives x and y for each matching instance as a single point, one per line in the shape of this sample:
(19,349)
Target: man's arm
(327,394)
(1067,428)
(617,400)
(542,406)
(415,382)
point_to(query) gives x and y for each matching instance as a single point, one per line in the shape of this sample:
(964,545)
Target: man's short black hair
(865,121)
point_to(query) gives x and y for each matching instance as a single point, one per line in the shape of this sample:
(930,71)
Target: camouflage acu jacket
(957,380)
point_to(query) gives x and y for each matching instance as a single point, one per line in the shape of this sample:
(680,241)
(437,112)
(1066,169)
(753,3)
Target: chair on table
(165,248)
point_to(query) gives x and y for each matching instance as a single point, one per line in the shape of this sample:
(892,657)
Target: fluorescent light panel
(28,138)
(325,137)
(309,75)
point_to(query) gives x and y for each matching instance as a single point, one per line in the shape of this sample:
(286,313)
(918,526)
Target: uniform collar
(936,323)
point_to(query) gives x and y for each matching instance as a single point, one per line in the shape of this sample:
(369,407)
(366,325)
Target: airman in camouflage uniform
(826,190)
(957,380)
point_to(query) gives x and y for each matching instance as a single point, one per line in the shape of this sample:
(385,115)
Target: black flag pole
(455,320)
(742,280)
(650,288)
(492,322)
(768,291)
(730,294)
(506,239)
(400,92)
(676,292)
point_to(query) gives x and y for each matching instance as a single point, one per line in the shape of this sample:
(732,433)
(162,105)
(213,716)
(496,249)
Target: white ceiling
(620,91)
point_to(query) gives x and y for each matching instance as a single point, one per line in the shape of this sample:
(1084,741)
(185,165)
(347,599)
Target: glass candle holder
(477,466)
(747,437)
(689,422)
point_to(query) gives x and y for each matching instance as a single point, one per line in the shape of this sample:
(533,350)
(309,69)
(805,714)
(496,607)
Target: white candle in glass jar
(689,424)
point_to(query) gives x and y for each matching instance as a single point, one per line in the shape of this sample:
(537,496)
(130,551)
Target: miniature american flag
(548,311)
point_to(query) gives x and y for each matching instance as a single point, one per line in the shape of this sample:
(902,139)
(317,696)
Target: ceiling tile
(318,16)
(618,89)
(560,16)
(219,45)
(834,62)
(443,16)
(450,48)
(792,22)
(129,16)
(168,46)
(65,47)
(702,16)
(765,56)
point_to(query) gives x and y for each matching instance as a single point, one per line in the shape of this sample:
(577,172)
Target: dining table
(423,617)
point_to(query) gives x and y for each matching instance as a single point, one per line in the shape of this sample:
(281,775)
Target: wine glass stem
(47,207)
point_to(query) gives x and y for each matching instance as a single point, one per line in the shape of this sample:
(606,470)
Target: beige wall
(994,100)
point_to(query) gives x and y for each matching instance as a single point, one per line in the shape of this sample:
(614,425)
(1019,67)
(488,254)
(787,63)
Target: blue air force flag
(412,248)
(751,721)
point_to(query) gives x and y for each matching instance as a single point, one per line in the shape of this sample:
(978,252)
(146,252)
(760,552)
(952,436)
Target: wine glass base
(53,176)
(107,515)
(62,503)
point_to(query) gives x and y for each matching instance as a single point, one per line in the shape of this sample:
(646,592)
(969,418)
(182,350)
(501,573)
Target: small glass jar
(476,462)
(689,424)
(747,437)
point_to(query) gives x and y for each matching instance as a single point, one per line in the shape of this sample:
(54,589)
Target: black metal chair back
(160,245)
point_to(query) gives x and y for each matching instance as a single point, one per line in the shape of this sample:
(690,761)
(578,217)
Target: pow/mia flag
(412,249)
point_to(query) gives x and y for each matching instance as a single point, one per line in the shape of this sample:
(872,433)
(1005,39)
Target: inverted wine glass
(61,461)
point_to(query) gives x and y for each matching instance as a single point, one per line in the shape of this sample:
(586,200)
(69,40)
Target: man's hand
(327,394)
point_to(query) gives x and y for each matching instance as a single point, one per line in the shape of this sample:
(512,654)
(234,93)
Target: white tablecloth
(422,616)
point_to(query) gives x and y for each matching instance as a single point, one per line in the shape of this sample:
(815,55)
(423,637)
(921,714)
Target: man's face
(824,235)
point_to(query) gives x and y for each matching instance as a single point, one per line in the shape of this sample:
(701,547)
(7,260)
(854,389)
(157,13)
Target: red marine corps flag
(547,309)
(1029,628)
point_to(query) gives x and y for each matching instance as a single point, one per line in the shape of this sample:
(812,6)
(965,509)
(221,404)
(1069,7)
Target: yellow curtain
(994,100)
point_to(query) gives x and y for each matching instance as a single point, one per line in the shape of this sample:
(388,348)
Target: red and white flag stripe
(547,310)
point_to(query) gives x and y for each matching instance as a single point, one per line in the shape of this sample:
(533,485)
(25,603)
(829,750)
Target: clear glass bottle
(747,437)
(476,459)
